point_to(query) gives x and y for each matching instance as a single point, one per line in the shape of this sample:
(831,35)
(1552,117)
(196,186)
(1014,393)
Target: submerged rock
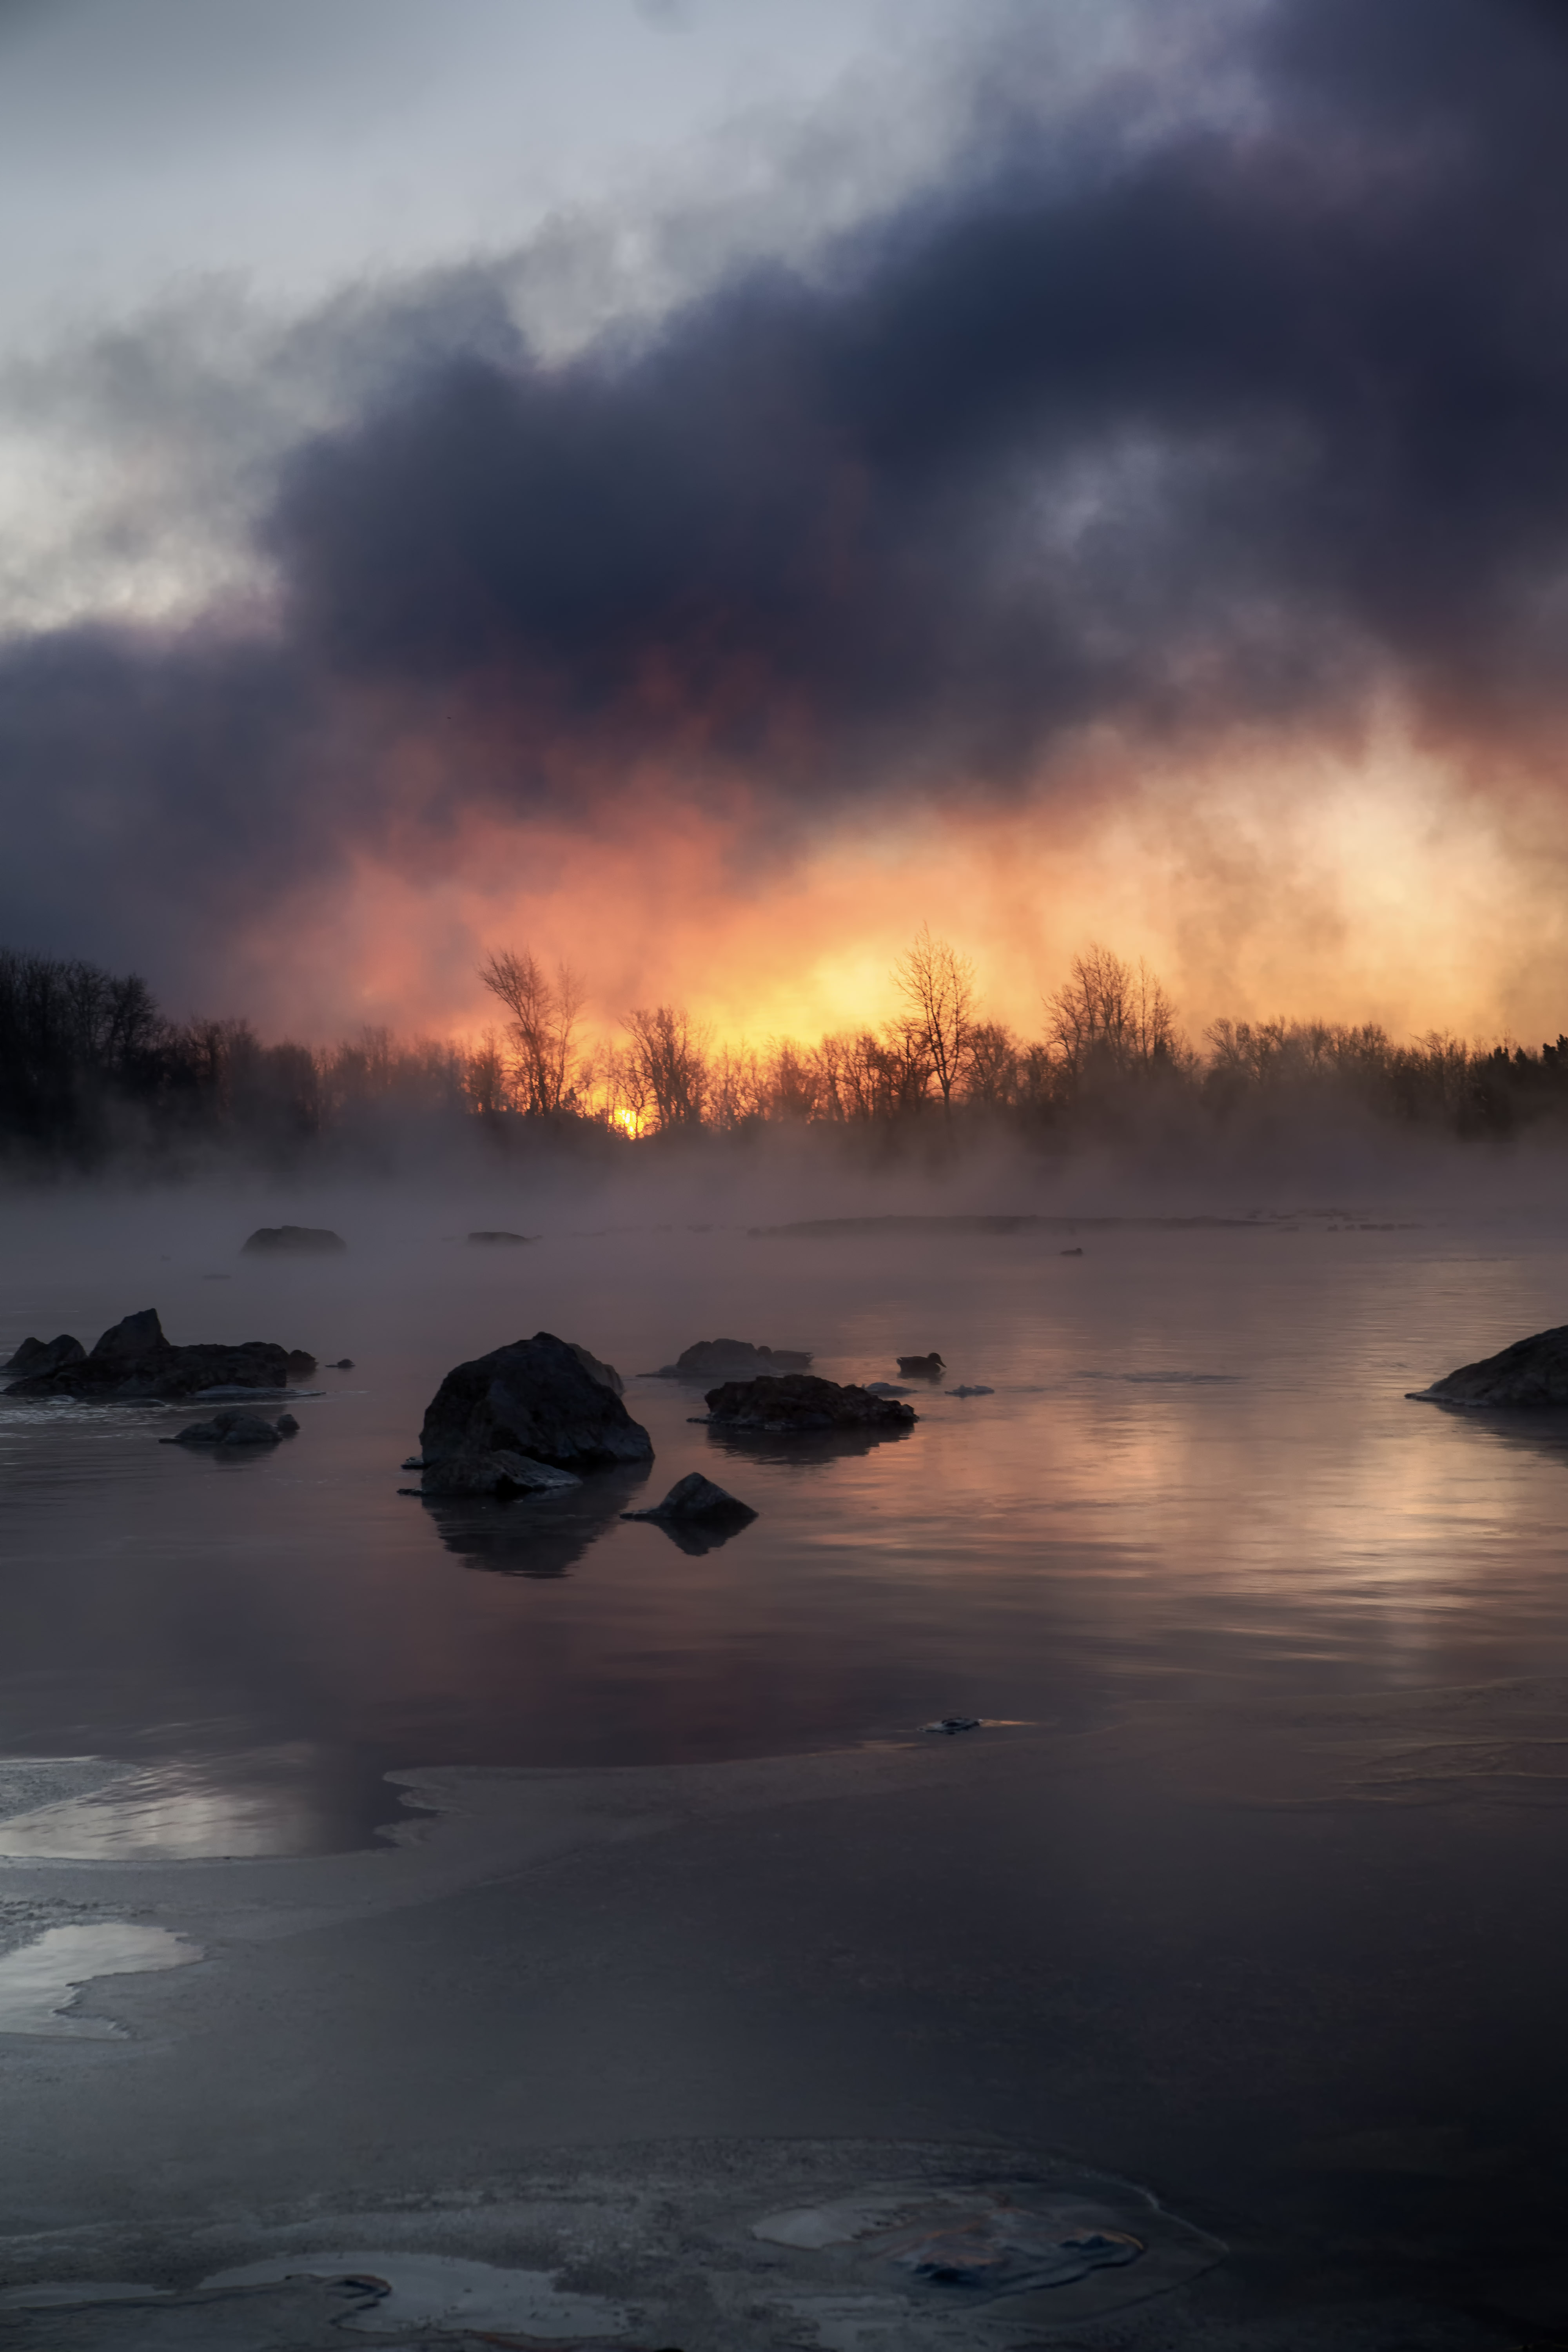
(696,1500)
(133,1359)
(542,1401)
(1533,1371)
(316,1240)
(886,1388)
(506,1240)
(733,1360)
(976,1391)
(286,1425)
(232,1428)
(800,1405)
(37,1356)
(921,1367)
(500,1472)
(950,1724)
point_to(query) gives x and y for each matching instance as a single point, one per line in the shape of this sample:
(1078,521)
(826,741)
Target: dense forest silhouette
(92,1070)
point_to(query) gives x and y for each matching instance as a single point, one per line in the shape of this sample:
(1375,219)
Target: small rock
(801,1404)
(887,1388)
(343,1364)
(731,1360)
(695,1497)
(236,1427)
(1533,1371)
(415,1462)
(950,1724)
(286,1425)
(972,1391)
(921,1367)
(500,1471)
(1070,1252)
(310,1240)
(511,1241)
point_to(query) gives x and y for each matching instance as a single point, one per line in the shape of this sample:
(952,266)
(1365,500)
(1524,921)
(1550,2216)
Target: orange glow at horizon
(1283,879)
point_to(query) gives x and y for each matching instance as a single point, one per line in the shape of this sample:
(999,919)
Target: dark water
(1197,1477)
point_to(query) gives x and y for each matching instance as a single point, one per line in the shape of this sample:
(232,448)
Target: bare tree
(937,989)
(669,1054)
(544,1017)
(1111,1016)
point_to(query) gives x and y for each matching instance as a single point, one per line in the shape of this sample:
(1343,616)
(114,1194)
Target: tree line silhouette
(91,1069)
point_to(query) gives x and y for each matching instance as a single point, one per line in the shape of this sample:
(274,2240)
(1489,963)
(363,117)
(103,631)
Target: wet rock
(37,1356)
(539,1400)
(286,1425)
(950,1724)
(307,1240)
(133,1359)
(343,1364)
(976,1391)
(505,1240)
(1533,1371)
(887,1388)
(696,1500)
(412,1462)
(733,1360)
(801,1404)
(921,1367)
(235,1427)
(1070,1252)
(500,1472)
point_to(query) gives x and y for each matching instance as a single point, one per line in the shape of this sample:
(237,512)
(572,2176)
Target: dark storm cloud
(1162,433)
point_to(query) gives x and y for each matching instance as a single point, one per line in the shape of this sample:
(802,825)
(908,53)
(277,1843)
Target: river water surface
(1197,1478)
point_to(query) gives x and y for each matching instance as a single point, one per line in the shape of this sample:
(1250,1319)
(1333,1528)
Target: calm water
(1197,1477)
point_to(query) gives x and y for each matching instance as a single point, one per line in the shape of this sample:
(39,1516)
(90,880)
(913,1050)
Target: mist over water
(1197,1479)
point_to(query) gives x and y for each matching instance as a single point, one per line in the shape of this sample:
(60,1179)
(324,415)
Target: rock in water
(921,1367)
(605,1374)
(695,1498)
(537,1399)
(1533,1371)
(35,1357)
(505,1240)
(501,1473)
(733,1360)
(800,1405)
(233,1428)
(316,1239)
(133,1359)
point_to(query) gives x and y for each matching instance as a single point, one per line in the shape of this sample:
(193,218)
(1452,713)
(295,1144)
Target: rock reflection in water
(539,1535)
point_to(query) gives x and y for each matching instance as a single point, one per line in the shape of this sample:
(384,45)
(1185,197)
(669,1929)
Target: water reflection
(539,1535)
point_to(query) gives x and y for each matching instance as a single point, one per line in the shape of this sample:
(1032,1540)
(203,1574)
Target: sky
(700,489)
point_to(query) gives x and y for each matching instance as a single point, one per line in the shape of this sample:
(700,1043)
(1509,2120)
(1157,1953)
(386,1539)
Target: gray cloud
(1168,420)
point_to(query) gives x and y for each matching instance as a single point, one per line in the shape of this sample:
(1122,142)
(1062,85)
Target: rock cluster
(1533,1371)
(731,1360)
(540,1405)
(800,1405)
(133,1359)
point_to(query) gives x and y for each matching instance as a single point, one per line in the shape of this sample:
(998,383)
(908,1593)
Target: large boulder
(133,1359)
(541,1400)
(733,1360)
(800,1405)
(315,1241)
(1533,1371)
